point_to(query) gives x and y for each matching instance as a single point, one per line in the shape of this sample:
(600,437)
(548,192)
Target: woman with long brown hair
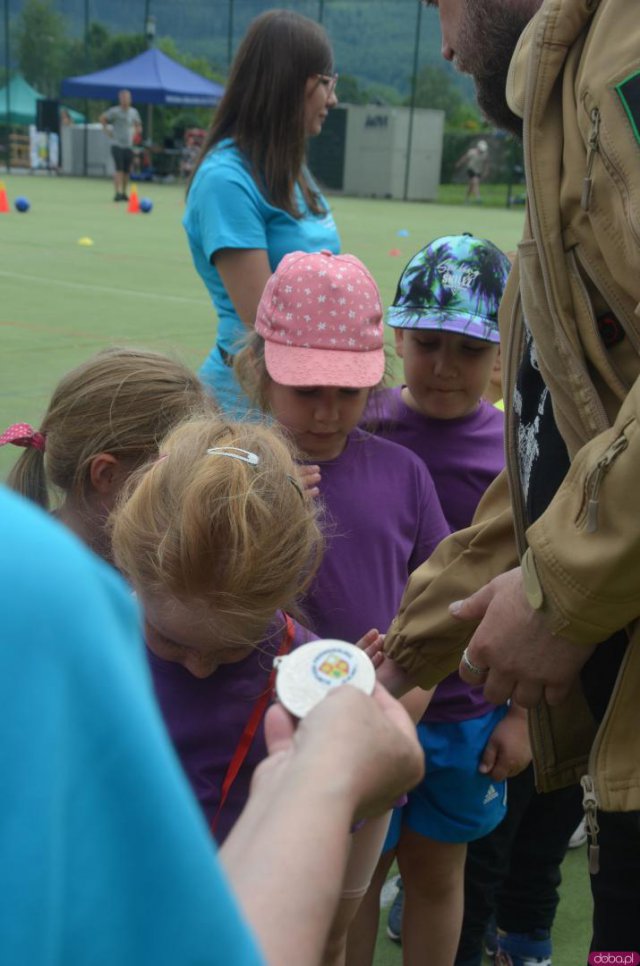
(251,198)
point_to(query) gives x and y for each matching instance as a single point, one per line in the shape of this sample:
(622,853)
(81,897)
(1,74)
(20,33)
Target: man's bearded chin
(488,36)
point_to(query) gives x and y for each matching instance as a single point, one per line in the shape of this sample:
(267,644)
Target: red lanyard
(252,724)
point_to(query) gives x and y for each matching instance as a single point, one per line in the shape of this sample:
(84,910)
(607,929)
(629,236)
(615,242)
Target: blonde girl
(104,419)
(218,542)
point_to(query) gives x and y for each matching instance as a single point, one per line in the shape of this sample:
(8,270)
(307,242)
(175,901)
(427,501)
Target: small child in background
(446,332)
(218,542)
(105,418)
(493,392)
(317,352)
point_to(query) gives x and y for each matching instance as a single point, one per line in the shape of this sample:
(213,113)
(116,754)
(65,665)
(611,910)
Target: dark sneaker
(524,948)
(394,919)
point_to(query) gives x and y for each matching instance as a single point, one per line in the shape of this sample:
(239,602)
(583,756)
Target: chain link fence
(386,51)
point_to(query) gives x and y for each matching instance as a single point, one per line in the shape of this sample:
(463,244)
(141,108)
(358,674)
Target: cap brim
(296,366)
(473,326)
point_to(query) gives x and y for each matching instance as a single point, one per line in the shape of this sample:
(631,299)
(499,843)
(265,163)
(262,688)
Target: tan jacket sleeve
(585,548)
(424,639)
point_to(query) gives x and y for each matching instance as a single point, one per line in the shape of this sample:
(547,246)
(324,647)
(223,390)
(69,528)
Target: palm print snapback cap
(454,284)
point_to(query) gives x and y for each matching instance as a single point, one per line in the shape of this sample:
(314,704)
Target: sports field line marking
(104,288)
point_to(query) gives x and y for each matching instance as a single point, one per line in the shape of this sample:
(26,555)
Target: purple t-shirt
(381,519)
(206,718)
(464,456)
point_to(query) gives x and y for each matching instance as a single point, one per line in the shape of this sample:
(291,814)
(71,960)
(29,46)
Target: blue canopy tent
(152,78)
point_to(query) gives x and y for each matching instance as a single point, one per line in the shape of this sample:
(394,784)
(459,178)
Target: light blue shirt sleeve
(229,210)
(226,209)
(105,856)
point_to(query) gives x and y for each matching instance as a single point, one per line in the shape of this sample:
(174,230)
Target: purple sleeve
(431,524)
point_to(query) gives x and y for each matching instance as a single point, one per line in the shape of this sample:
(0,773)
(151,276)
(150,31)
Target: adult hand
(522,658)
(508,751)
(363,747)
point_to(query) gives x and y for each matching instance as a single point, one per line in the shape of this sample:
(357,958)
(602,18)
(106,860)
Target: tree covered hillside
(373,39)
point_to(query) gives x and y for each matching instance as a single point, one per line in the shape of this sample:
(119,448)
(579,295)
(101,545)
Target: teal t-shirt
(226,209)
(106,858)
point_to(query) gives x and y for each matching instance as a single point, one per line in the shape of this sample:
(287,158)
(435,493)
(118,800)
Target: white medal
(307,674)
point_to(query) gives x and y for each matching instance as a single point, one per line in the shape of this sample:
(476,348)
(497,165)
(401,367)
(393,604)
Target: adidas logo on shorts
(490,796)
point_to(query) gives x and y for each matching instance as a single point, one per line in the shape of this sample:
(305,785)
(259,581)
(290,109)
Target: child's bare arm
(508,751)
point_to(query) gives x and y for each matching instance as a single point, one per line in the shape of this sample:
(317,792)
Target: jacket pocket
(613,154)
(611,192)
(588,515)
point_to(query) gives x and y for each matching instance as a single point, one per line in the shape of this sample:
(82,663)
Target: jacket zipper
(594,482)
(593,146)
(590,806)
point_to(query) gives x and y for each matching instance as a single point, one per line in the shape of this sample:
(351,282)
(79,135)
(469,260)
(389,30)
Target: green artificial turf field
(61,301)
(571,932)
(135,284)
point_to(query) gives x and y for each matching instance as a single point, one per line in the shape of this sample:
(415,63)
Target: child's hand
(309,477)
(508,751)
(372,644)
(394,678)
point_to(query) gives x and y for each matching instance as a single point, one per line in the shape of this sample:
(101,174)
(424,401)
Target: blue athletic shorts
(454,802)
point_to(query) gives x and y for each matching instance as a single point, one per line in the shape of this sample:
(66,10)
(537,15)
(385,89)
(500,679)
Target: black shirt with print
(543,464)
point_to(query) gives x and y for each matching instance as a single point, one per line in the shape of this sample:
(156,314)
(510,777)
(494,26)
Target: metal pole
(412,106)
(87,68)
(320,11)
(230,35)
(8,80)
(147,4)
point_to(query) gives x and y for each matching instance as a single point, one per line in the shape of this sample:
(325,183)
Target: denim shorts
(454,802)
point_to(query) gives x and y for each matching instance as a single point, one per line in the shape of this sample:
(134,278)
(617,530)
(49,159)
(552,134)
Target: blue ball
(22,204)
(146,205)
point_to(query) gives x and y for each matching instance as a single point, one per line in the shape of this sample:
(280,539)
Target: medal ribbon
(252,725)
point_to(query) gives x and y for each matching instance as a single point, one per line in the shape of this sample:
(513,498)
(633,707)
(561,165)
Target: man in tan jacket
(541,596)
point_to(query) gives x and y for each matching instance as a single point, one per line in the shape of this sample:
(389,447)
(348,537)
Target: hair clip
(244,455)
(295,483)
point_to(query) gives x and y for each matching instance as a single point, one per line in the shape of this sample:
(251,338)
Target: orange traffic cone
(134,204)
(4,201)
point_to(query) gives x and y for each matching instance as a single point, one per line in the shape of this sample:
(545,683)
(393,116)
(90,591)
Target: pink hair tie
(22,434)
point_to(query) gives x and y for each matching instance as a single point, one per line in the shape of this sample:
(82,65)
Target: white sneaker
(579,837)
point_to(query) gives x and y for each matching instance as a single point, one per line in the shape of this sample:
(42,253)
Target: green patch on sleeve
(628,91)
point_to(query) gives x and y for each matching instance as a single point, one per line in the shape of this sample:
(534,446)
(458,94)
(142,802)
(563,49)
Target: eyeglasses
(329,81)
